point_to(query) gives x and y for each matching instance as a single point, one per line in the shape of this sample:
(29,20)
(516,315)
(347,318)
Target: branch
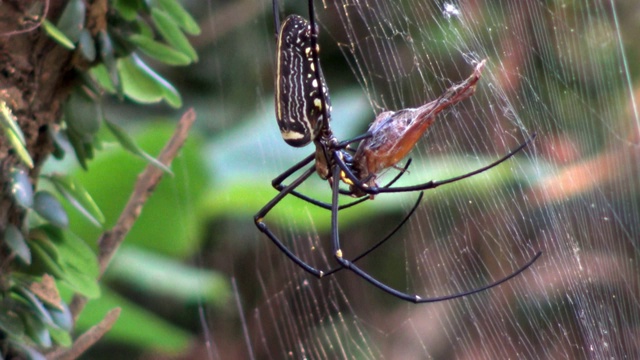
(86,340)
(41,19)
(110,240)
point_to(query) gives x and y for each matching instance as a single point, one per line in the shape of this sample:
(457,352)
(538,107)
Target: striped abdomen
(298,99)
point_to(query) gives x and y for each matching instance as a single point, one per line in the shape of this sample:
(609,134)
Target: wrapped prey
(394,133)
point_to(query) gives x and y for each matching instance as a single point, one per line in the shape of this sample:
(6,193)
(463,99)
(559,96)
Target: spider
(303,111)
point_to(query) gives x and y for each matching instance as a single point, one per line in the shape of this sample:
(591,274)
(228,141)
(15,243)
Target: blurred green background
(196,233)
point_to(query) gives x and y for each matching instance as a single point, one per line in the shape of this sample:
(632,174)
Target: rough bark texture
(35,78)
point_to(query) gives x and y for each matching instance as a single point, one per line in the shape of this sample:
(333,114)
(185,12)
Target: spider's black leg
(417,299)
(343,144)
(400,174)
(347,264)
(431,184)
(260,224)
(325,205)
(379,243)
(395,178)
(276,17)
(296,167)
(277,184)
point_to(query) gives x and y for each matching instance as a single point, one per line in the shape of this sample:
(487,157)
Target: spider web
(557,69)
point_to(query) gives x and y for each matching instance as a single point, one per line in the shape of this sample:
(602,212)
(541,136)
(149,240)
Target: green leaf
(109,59)
(44,241)
(144,28)
(60,336)
(137,84)
(129,144)
(82,283)
(101,75)
(15,241)
(180,16)
(77,265)
(167,277)
(44,261)
(21,188)
(37,307)
(159,51)
(62,318)
(73,251)
(57,35)
(14,134)
(143,85)
(68,258)
(47,206)
(36,330)
(87,45)
(75,193)
(171,32)
(79,148)
(10,322)
(71,22)
(9,121)
(82,115)
(171,95)
(21,151)
(60,142)
(128,9)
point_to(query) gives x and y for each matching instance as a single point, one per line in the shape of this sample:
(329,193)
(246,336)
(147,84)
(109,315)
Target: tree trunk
(36,75)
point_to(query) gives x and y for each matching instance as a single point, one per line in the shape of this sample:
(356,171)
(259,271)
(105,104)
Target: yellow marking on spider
(345,179)
(291,135)
(339,253)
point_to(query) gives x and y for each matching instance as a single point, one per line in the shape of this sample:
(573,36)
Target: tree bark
(36,75)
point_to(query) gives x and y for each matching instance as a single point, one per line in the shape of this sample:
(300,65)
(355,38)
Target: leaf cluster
(48,259)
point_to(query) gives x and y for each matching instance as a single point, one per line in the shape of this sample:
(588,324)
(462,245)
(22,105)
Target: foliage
(49,258)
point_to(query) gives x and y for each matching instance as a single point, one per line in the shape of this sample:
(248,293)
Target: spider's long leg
(260,224)
(276,18)
(395,178)
(379,243)
(277,184)
(325,205)
(343,144)
(417,299)
(432,184)
(335,238)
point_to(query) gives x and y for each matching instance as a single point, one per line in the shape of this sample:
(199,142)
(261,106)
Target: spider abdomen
(299,102)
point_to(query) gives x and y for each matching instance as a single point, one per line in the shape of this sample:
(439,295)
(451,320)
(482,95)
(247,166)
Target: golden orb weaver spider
(303,112)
